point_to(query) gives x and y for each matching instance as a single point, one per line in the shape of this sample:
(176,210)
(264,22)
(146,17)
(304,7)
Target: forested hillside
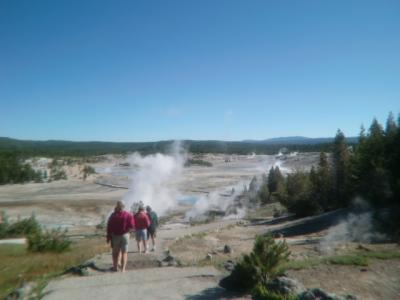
(369,170)
(69,148)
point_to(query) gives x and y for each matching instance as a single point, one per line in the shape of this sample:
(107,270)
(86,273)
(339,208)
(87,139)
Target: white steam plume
(214,201)
(357,227)
(155,179)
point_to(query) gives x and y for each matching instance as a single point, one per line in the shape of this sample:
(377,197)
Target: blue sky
(228,70)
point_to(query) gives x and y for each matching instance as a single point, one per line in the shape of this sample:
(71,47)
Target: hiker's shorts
(151,231)
(120,242)
(141,235)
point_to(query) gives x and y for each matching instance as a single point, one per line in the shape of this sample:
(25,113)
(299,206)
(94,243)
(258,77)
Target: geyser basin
(188,199)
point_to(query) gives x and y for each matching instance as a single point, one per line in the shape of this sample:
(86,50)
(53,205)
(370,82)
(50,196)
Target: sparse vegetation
(268,210)
(358,258)
(103,223)
(197,162)
(56,170)
(54,240)
(299,264)
(39,240)
(260,292)
(14,170)
(386,254)
(88,170)
(18,265)
(22,227)
(347,259)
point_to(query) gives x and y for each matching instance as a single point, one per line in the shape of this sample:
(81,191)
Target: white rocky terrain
(78,202)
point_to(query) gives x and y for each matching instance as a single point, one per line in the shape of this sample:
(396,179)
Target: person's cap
(148,208)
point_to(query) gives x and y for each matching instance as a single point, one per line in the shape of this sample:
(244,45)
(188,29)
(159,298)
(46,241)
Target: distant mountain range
(289,140)
(299,140)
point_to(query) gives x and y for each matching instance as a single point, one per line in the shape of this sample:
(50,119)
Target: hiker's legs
(137,235)
(145,240)
(115,256)
(124,260)
(141,237)
(116,248)
(151,233)
(144,245)
(138,245)
(119,259)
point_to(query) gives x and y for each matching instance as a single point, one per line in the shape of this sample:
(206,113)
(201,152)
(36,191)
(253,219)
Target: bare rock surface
(160,283)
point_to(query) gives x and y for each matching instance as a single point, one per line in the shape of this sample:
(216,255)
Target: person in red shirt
(142,222)
(119,225)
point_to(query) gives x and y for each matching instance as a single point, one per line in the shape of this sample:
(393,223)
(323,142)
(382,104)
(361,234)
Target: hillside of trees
(68,148)
(369,169)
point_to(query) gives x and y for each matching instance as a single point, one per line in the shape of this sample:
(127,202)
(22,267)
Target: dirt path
(144,278)
(161,283)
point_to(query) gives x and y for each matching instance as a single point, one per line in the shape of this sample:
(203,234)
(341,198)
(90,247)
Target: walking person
(142,222)
(119,224)
(151,230)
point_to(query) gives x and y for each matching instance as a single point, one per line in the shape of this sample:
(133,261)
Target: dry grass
(17,265)
(265,211)
(383,254)
(358,258)
(190,243)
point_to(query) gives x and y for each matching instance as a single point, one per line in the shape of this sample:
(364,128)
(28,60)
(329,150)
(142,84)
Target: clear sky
(228,70)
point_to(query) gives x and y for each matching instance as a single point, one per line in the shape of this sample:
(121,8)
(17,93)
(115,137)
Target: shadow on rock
(312,224)
(214,293)
(271,221)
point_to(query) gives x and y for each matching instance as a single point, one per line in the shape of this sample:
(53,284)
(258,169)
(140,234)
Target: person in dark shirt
(119,225)
(151,230)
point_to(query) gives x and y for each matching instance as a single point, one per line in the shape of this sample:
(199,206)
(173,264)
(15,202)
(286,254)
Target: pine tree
(370,174)
(271,180)
(391,127)
(392,156)
(275,178)
(362,136)
(263,193)
(297,197)
(321,183)
(253,185)
(340,178)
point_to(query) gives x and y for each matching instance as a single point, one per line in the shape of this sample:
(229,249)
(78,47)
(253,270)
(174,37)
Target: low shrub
(88,170)
(384,254)
(54,240)
(353,260)
(20,228)
(198,162)
(260,292)
(300,264)
(4,224)
(260,266)
(103,223)
(23,227)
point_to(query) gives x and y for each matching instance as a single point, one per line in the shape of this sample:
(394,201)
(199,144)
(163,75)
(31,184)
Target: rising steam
(154,180)
(357,227)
